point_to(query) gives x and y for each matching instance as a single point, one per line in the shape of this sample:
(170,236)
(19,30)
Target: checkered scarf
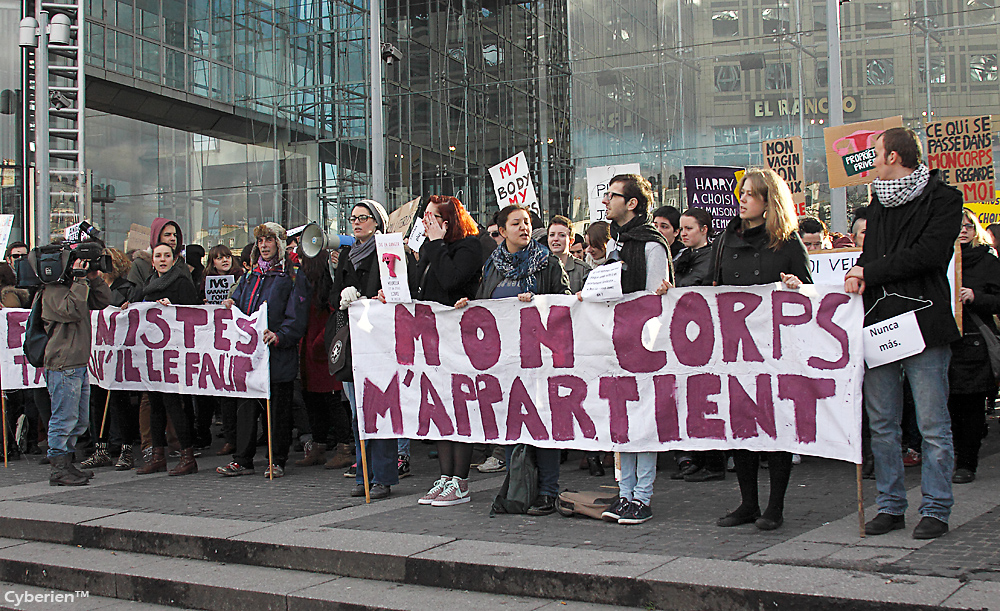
(897,192)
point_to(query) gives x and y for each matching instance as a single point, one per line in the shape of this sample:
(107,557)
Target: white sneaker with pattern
(435,490)
(455,493)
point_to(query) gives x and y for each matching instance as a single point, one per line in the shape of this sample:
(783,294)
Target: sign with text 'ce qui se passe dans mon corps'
(758,367)
(194,350)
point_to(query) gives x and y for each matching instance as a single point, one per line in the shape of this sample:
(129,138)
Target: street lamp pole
(838,196)
(378,131)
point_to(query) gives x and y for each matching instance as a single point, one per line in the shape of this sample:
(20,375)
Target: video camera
(54,262)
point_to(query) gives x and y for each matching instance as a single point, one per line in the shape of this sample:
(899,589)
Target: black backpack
(520,488)
(35,337)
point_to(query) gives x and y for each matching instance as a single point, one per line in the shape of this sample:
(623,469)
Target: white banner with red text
(193,350)
(759,368)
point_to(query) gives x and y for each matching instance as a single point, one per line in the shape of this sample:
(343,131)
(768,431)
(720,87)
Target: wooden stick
(861,504)
(364,469)
(270,453)
(107,401)
(3,411)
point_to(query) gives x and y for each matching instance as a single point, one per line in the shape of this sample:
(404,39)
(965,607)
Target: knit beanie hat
(378,211)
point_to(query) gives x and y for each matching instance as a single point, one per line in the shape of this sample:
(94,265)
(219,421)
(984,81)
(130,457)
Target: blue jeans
(638,475)
(547,461)
(403,446)
(70,393)
(927,373)
(381,453)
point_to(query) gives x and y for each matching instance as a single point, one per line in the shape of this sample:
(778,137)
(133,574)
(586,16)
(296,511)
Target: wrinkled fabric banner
(759,368)
(193,350)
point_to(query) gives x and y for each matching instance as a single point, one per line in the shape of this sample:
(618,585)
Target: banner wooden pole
(364,470)
(270,453)
(107,401)
(861,503)
(3,412)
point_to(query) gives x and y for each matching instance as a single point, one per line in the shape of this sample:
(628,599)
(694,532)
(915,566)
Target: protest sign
(784,156)
(597,184)
(193,350)
(830,266)
(138,237)
(512,183)
(401,218)
(850,150)
(392,267)
(714,189)
(6,224)
(417,237)
(754,367)
(962,148)
(217,288)
(987,212)
(604,283)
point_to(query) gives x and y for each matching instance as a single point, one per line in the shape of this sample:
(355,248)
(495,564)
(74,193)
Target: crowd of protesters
(940,395)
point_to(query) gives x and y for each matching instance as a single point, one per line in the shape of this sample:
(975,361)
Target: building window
(819,17)
(726,24)
(727,78)
(775,20)
(983,68)
(878,16)
(880,72)
(938,74)
(822,75)
(980,11)
(778,76)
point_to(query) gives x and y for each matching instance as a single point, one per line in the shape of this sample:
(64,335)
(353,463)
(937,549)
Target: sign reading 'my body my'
(758,368)
(199,350)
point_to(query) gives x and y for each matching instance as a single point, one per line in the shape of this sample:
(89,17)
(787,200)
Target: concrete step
(316,552)
(94,576)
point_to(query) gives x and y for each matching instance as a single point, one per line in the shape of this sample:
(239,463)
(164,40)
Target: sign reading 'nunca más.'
(757,367)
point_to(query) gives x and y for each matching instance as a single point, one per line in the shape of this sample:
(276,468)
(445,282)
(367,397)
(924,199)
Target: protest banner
(401,218)
(850,150)
(217,288)
(758,368)
(512,183)
(392,267)
(784,156)
(193,350)
(714,189)
(597,184)
(962,148)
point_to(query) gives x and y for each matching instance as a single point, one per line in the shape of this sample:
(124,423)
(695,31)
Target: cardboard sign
(752,367)
(714,189)
(193,350)
(6,225)
(392,267)
(401,218)
(604,283)
(893,340)
(217,288)
(138,238)
(784,156)
(962,148)
(850,150)
(512,183)
(416,239)
(597,185)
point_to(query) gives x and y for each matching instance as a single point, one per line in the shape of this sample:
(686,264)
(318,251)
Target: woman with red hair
(451,260)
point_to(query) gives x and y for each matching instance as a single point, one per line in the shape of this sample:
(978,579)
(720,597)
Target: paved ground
(821,497)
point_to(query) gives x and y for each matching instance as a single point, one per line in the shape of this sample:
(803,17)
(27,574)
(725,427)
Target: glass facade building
(224,113)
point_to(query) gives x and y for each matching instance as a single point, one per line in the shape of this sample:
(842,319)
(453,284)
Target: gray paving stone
(192,526)
(976,595)
(793,551)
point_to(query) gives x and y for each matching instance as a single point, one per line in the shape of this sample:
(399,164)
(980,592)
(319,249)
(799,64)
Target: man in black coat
(913,221)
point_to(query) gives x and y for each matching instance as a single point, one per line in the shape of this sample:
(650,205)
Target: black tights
(779,466)
(454,458)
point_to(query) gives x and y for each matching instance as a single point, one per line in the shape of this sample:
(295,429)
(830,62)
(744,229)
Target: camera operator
(66,309)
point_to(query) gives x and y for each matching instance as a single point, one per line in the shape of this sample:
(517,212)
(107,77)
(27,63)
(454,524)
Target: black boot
(61,475)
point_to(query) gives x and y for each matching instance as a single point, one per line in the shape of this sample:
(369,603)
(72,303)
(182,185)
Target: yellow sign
(988,213)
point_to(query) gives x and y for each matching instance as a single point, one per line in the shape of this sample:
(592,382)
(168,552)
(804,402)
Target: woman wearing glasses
(970,375)
(357,276)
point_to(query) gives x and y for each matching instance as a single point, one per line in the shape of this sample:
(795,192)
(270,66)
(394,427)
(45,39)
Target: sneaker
(911,458)
(455,493)
(730,465)
(403,466)
(352,471)
(492,465)
(125,460)
(616,511)
(796,459)
(435,490)
(233,469)
(274,472)
(637,513)
(543,505)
